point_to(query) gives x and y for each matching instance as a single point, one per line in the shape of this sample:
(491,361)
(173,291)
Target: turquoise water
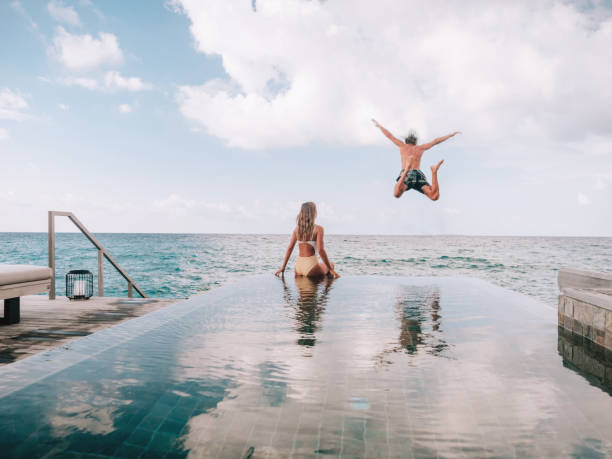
(180,265)
(363,366)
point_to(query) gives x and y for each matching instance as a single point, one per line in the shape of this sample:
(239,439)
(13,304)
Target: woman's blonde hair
(305,221)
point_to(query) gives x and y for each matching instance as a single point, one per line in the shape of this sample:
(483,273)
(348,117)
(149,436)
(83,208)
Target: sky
(203,116)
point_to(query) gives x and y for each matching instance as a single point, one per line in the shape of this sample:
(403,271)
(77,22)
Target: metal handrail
(102,253)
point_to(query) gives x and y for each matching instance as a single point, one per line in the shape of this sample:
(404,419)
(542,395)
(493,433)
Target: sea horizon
(327,233)
(184,264)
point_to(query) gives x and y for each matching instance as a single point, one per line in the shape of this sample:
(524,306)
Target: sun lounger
(19,280)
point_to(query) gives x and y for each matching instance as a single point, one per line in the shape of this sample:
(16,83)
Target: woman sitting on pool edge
(310,239)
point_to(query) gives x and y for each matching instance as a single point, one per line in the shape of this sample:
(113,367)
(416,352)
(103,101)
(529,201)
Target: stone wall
(586,311)
(588,320)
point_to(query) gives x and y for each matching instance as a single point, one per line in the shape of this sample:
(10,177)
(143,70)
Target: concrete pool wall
(585,305)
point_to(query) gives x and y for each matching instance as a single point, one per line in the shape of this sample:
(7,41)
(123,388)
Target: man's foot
(435,168)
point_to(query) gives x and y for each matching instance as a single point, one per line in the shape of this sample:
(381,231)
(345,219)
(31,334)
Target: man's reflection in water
(308,306)
(419,316)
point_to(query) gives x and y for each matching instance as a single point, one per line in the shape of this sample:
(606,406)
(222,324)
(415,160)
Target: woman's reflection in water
(308,306)
(419,317)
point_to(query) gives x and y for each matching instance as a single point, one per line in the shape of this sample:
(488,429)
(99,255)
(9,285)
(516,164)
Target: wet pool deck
(46,324)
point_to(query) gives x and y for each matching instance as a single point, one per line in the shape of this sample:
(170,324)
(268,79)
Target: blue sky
(203,116)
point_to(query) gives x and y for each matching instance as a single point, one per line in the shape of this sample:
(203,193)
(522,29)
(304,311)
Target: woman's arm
(288,254)
(323,253)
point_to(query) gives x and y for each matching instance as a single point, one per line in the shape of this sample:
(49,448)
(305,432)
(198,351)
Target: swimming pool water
(360,366)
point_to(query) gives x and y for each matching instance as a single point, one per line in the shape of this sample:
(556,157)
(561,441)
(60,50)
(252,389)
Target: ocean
(181,265)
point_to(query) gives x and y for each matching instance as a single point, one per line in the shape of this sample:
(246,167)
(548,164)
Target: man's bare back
(411,156)
(411,175)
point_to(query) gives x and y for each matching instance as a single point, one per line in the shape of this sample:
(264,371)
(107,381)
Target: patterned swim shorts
(414,179)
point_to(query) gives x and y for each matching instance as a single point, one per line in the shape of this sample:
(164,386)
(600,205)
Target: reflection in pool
(308,304)
(586,358)
(354,367)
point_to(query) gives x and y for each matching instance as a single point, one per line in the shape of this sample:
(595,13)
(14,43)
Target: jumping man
(411,176)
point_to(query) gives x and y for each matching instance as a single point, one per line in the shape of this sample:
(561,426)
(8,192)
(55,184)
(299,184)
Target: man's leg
(400,186)
(433,191)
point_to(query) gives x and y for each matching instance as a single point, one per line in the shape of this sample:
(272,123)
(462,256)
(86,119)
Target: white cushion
(16,274)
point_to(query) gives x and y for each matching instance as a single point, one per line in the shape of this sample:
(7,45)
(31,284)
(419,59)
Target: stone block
(577,278)
(563,304)
(600,337)
(569,307)
(608,341)
(587,314)
(599,318)
(577,327)
(588,332)
(567,322)
(578,311)
(609,321)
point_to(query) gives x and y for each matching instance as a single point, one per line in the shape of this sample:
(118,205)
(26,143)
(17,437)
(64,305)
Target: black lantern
(79,284)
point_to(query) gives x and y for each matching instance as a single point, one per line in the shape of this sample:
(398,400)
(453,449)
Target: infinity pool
(361,366)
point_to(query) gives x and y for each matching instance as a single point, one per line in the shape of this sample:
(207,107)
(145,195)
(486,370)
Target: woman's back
(308,247)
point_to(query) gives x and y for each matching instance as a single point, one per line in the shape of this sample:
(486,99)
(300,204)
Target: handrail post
(100,273)
(102,253)
(52,254)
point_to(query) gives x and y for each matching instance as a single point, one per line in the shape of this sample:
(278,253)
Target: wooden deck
(49,323)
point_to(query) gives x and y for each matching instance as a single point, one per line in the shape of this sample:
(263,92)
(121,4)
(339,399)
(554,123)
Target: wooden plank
(20,289)
(49,323)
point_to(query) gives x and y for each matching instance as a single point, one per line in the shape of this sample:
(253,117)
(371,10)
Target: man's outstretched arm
(396,141)
(427,146)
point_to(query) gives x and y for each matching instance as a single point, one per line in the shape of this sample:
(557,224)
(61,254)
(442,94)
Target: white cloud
(62,107)
(527,76)
(174,204)
(4,134)
(113,80)
(583,199)
(18,7)
(7,196)
(88,83)
(83,52)
(12,106)
(125,108)
(89,4)
(63,13)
